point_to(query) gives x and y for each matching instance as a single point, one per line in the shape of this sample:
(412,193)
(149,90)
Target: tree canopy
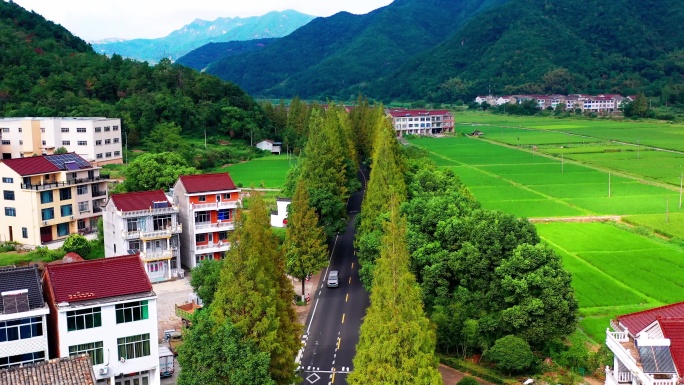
(155,171)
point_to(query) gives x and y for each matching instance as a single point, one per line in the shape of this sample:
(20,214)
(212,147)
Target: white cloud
(129,19)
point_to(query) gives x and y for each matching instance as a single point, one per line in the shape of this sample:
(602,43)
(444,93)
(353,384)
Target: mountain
(201,32)
(199,58)
(538,46)
(341,54)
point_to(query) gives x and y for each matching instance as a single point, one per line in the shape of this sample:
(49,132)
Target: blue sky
(129,19)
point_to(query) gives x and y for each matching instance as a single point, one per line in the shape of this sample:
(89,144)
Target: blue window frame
(46,197)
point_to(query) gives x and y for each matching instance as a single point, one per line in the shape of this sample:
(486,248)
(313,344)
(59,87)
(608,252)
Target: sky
(130,19)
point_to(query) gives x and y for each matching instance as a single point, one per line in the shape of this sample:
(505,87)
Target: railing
(619,336)
(217,246)
(214,226)
(143,234)
(215,205)
(155,255)
(99,193)
(624,377)
(672,381)
(150,211)
(97,209)
(51,185)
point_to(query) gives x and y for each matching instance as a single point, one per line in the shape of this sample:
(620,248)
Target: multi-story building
(23,328)
(421,122)
(97,140)
(147,223)
(106,308)
(208,204)
(648,347)
(60,371)
(46,198)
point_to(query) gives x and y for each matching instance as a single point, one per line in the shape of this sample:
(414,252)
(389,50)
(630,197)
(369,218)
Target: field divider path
(513,183)
(636,177)
(603,273)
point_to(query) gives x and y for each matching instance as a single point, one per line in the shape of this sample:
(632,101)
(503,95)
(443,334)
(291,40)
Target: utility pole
(205,138)
(608,185)
(681,179)
(126,151)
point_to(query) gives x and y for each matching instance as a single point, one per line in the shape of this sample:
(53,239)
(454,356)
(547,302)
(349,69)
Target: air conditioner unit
(104,370)
(122,359)
(45,222)
(72,217)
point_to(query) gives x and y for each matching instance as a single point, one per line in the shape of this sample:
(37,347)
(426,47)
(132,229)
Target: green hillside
(201,57)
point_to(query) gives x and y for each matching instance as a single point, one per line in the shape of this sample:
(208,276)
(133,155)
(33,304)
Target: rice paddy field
(267,172)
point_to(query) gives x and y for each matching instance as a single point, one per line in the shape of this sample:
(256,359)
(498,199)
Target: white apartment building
(421,122)
(97,139)
(106,308)
(23,328)
(147,223)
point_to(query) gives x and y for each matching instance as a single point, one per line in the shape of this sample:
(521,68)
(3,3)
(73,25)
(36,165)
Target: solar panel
(61,160)
(656,359)
(15,303)
(71,166)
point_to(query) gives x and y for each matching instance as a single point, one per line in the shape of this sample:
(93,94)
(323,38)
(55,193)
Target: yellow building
(46,198)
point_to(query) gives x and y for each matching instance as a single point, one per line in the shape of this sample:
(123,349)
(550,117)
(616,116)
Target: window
(65,129)
(131,311)
(46,214)
(202,198)
(98,143)
(82,189)
(82,142)
(106,128)
(134,346)
(21,142)
(223,235)
(98,156)
(66,143)
(84,319)
(62,229)
(83,206)
(8,195)
(115,128)
(5,142)
(20,329)
(116,140)
(44,143)
(117,153)
(132,225)
(10,212)
(21,359)
(199,238)
(5,129)
(42,130)
(7,180)
(108,141)
(98,129)
(134,245)
(66,210)
(226,196)
(108,154)
(94,350)
(203,257)
(24,232)
(64,193)
(202,216)
(224,215)
(46,197)
(81,129)
(80,224)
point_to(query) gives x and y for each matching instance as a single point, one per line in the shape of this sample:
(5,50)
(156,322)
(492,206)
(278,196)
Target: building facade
(106,308)
(97,139)
(208,204)
(23,328)
(147,223)
(46,198)
(421,122)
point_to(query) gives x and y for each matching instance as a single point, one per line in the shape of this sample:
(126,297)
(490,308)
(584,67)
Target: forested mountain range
(201,32)
(439,50)
(47,71)
(199,58)
(339,55)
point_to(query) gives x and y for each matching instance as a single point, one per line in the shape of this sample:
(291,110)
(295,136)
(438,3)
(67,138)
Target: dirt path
(594,218)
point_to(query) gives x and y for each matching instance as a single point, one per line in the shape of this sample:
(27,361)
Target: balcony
(53,185)
(215,205)
(156,255)
(152,234)
(212,247)
(626,352)
(148,212)
(205,227)
(99,194)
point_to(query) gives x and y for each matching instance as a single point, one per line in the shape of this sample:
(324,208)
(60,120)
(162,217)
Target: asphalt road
(332,329)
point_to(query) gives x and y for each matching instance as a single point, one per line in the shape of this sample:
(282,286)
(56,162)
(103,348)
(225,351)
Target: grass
(615,271)
(14,258)
(670,225)
(267,172)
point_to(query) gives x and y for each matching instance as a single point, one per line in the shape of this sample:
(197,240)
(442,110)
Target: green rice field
(268,172)
(615,271)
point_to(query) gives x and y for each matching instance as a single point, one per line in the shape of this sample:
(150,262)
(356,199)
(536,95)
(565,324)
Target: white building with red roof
(648,347)
(421,122)
(46,198)
(208,204)
(106,308)
(146,223)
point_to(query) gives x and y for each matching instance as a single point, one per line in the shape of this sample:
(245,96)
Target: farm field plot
(269,171)
(615,271)
(671,224)
(536,186)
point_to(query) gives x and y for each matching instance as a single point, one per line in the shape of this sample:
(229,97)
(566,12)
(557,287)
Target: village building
(421,122)
(75,370)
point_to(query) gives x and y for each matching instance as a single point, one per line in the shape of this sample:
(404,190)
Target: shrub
(78,244)
(8,246)
(468,380)
(511,354)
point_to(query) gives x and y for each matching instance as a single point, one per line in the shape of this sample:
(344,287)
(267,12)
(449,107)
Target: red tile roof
(636,322)
(30,166)
(142,200)
(75,370)
(207,182)
(99,278)
(673,329)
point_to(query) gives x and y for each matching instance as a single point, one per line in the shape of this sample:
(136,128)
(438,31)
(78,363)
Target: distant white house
(279,217)
(269,145)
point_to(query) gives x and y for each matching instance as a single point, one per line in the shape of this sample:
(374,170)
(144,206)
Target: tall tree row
(397,341)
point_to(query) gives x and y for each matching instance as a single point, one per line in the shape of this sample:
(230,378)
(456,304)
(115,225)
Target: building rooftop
(397,113)
(47,164)
(673,329)
(98,279)
(207,183)
(636,322)
(143,200)
(13,282)
(60,371)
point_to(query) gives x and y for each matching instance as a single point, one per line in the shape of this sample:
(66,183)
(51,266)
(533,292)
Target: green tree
(205,279)
(76,243)
(468,380)
(165,137)
(254,293)
(637,107)
(155,171)
(396,342)
(511,354)
(61,150)
(218,354)
(305,248)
